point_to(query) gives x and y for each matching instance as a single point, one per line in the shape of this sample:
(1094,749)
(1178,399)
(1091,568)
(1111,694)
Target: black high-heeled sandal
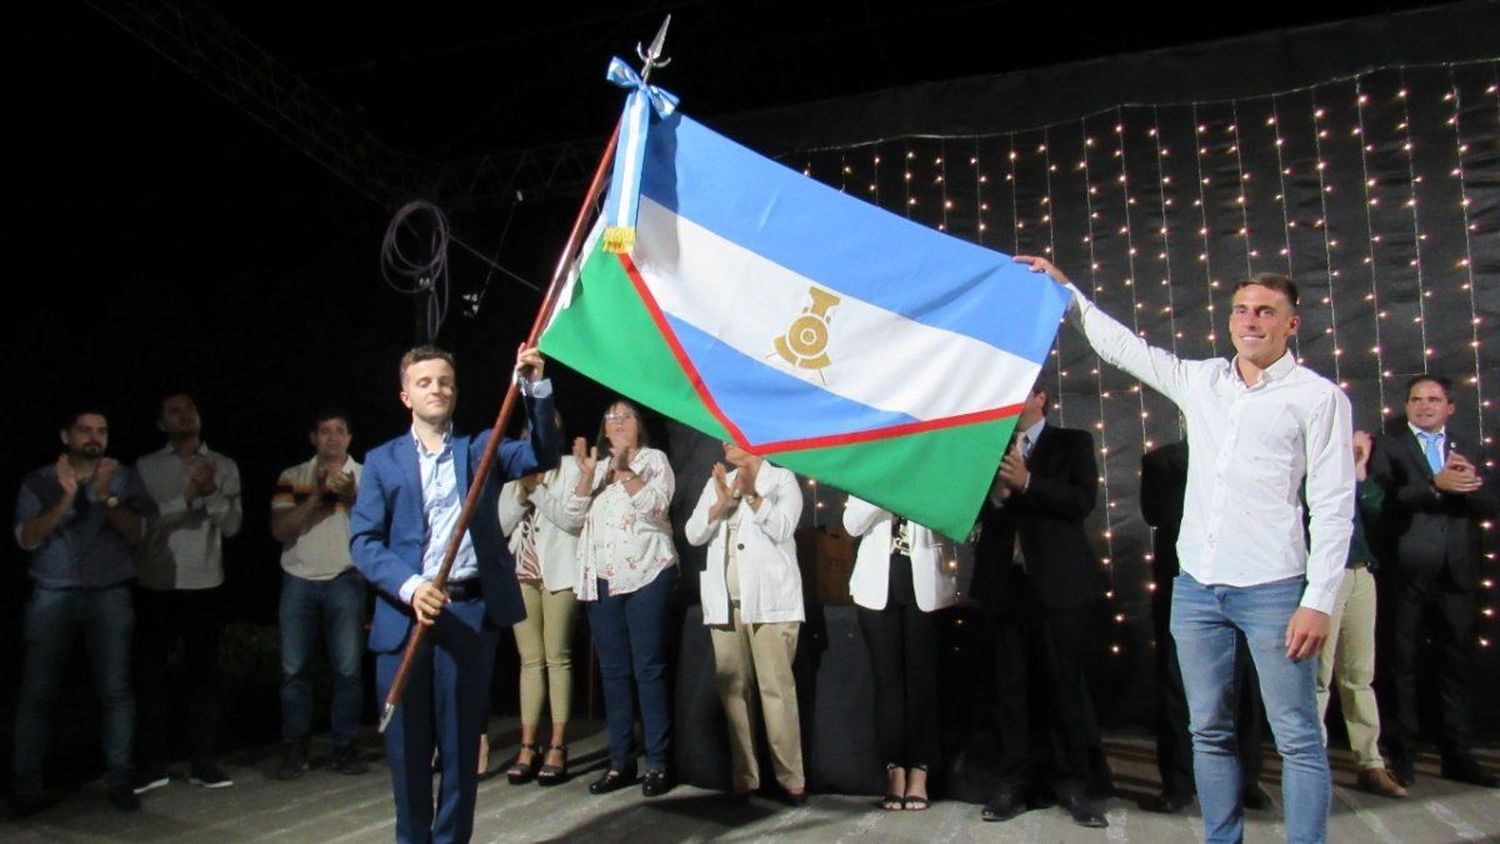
(520,774)
(892,802)
(911,803)
(554,774)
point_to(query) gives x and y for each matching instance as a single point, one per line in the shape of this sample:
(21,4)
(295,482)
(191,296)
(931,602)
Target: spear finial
(652,59)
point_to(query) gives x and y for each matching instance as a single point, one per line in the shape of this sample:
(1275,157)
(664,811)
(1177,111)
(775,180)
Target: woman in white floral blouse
(627,568)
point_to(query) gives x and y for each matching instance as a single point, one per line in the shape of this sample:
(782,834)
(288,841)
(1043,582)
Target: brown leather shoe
(1380,781)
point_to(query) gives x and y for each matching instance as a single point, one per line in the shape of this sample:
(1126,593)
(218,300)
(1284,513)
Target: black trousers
(1043,713)
(195,616)
(903,645)
(1174,744)
(1451,612)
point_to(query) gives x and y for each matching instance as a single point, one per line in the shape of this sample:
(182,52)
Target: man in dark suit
(1435,499)
(1038,579)
(1163,484)
(409,502)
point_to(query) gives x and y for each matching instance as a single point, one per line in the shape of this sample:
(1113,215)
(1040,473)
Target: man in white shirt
(322,595)
(1261,425)
(181,576)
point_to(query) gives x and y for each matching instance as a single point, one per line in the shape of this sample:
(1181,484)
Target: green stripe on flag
(935,478)
(607,334)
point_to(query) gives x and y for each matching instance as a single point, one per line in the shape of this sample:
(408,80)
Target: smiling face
(429,388)
(1261,322)
(622,427)
(331,438)
(1428,406)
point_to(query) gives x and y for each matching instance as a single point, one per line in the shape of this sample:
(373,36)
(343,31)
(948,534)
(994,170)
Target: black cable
(414,276)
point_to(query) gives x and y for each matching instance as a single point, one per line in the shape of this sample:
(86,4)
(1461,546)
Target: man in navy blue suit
(408,506)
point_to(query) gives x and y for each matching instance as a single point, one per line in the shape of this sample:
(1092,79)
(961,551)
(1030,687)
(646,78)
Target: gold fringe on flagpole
(618,239)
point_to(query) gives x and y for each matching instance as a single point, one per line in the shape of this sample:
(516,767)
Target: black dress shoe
(1167,804)
(793,798)
(656,783)
(1466,769)
(1255,797)
(612,781)
(1004,804)
(1084,812)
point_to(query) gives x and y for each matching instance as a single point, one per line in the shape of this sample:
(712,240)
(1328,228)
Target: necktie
(1432,448)
(1016,556)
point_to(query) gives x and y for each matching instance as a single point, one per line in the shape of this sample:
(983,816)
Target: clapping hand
(200,479)
(1013,471)
(726,498)
(1458,476)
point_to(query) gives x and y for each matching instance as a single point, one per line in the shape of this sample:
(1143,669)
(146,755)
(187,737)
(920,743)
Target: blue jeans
(1204,620)
(54,617)
(333,611)
(630,636)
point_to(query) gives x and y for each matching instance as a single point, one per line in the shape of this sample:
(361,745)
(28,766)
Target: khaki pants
(545,641)
(1349,653)
(747,656)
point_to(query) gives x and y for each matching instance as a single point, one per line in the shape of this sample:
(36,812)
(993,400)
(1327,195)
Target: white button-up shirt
(442,503)
(1252,446)
(184,549)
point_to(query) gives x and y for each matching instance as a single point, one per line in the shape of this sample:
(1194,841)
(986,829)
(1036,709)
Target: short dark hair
(69,419)
(643,437)
(420,353)
(171,393)
(330,412)
(1441,380)
(1280,283)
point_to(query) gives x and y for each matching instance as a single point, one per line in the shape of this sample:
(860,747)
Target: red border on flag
(778,446)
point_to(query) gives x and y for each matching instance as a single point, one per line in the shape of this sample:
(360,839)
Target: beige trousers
(1349,655)
(545,641)
(751,656)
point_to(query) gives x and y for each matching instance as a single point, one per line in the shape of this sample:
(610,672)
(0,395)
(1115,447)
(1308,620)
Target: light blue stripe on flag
(768,404)
(848,245)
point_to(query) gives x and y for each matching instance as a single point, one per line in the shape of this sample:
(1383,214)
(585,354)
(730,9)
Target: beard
(90,451)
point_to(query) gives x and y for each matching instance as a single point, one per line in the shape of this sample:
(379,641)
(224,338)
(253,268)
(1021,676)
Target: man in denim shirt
(80,518)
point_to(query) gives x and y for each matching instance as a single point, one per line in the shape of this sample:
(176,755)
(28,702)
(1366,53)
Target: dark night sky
(194,249)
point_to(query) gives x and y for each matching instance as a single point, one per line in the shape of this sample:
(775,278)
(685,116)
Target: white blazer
(770,582)
(935,585)
(556,530)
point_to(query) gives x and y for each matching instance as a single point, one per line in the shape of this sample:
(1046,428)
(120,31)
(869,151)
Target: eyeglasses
(617,417)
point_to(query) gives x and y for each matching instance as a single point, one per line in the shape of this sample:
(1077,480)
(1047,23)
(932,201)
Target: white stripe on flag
(877,357)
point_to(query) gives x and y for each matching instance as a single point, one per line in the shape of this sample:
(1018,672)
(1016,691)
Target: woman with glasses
(627,568)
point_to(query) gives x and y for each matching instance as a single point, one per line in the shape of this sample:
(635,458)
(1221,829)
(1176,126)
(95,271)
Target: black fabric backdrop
(1361,158)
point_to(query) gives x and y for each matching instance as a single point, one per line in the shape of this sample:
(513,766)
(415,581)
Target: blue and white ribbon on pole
(623,202)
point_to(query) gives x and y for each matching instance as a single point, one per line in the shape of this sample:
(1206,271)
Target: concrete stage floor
(323,806)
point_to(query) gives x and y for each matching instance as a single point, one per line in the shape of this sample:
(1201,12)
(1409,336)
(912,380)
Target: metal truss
(210,49)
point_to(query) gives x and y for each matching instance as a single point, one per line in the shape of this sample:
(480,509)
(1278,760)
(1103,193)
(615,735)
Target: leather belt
(465,590)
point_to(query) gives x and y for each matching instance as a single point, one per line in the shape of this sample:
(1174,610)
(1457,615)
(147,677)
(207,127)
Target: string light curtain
(1378,193)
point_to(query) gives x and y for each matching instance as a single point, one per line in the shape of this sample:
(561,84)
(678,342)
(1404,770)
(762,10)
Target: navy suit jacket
(388,527)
